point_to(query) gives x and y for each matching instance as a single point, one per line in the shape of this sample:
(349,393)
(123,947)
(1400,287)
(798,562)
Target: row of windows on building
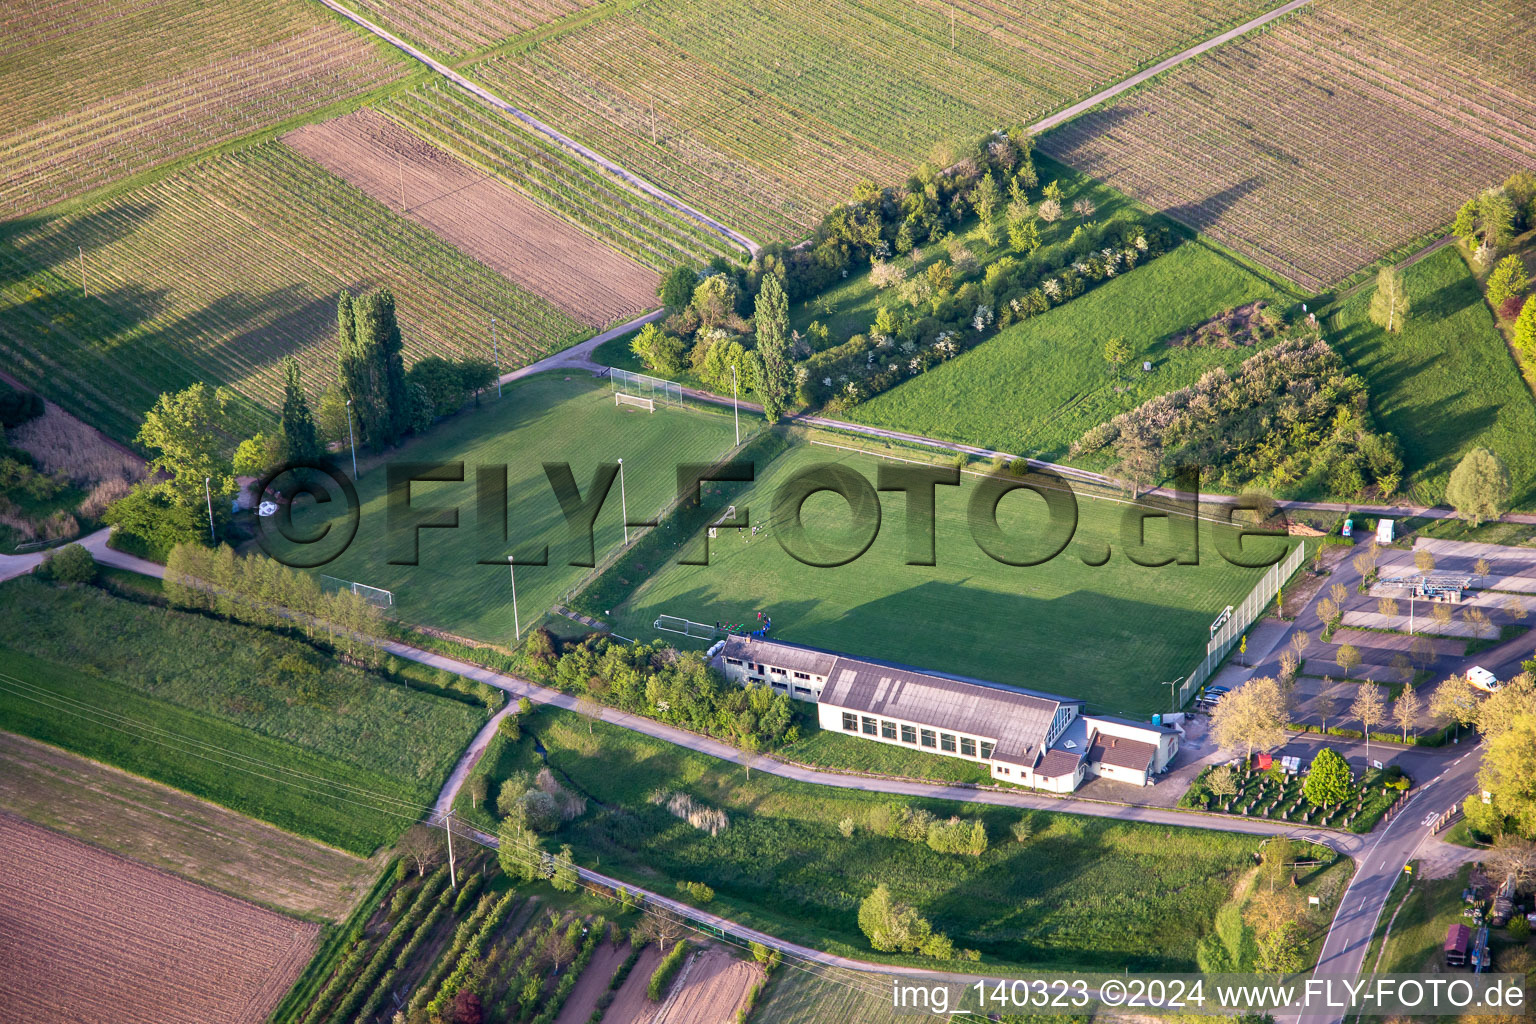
(947,742)
(801,689)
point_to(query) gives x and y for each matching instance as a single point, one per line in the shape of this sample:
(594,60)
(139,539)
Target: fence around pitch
(1243,616)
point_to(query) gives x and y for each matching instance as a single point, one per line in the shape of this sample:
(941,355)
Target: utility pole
(623,502)
(352,438)
(735,408)
(208,491)
(453,878)
(496,348)
(84,286)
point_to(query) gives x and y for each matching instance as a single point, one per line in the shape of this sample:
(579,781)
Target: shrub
(661,978)
(70,564)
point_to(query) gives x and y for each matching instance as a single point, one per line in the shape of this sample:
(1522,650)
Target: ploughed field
(86,935)
(480,216)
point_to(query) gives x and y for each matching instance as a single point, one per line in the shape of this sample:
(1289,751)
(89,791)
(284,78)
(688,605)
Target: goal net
(373,595)
(648,404)
(687,627)
(643,386)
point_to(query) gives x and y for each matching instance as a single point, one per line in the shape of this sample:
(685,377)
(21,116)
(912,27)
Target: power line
(384,804)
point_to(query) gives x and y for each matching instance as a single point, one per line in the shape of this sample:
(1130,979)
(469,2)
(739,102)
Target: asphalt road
(1379,865)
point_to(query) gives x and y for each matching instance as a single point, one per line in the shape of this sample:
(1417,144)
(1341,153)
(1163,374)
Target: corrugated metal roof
(772,652)
(1016,721)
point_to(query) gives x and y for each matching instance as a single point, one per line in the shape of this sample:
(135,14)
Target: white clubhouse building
(1024,737)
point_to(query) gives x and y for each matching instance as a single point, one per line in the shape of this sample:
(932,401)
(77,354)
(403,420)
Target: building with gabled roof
(1024,736)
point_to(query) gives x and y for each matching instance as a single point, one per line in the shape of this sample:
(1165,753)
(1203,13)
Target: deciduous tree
(1479,487)
(1405,710)
(1117,352)
(1348,658)
(1253,715)
(1508,281)
(890,925)
(1369,709)
(1509,775)
(1455,700)
(1329,780)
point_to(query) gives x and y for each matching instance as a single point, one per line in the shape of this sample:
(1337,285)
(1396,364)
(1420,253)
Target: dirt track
(592,984)
(630,1006)
(88,936)
(481,216)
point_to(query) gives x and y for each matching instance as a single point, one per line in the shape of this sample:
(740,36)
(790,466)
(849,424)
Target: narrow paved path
(1063,116)
(467,762)
(535,125)
(579,356)
(519,687)
(584,361)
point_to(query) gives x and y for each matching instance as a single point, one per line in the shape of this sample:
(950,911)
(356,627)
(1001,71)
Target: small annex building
(1025,737)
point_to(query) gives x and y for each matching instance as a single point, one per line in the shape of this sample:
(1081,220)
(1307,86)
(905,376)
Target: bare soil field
(1346,131)
(592,984)
(170,830)
(714,988)
(87,935)
(481,216)
(630,1005)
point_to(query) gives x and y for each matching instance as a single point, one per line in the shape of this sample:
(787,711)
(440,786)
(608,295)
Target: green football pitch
(1111,633)
(538,420)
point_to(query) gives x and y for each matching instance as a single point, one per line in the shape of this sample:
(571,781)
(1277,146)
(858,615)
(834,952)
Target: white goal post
(643,386)
(687,627)
(373,595)
(620,398)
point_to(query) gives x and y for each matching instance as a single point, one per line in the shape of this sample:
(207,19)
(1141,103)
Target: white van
(1483,679)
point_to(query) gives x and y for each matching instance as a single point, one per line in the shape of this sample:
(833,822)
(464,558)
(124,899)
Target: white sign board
(1377,765)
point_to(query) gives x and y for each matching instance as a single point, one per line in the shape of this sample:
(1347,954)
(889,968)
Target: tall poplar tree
(301,442)
(773,347)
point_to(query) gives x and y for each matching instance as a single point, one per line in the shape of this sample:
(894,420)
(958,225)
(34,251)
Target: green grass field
(1109,634)
(824,748)
(1039,385)
(1446,383)
(177,697)
(1083,893)
(539,419)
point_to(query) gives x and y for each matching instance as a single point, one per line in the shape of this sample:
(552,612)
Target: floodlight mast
(517,625)
(351,437)
(623,502)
